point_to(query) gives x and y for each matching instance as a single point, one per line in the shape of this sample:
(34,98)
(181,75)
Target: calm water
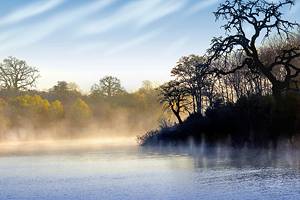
(134,173)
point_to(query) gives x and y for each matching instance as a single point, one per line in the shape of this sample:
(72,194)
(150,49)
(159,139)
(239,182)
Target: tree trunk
(178,118)
(199,102)
(177,115)
(194,106)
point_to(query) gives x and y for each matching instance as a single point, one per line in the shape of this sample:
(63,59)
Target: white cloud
(36,32)
(133,42)
(202,5)
(29,11)
(167,8)
(137,13)
(176,46)
(89,47)
(123,15)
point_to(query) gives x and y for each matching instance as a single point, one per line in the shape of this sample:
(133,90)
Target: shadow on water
(199,156)
(205,157)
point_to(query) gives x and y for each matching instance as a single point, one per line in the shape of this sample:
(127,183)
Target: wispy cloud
(136,13)
(176,45)
(201,5)
(165,9)
(133,42)
(89,47)
(29,11)
(123,15)
(37,32)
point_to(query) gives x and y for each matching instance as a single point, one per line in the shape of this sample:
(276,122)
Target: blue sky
(81,40)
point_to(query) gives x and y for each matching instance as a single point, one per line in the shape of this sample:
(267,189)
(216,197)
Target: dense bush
(251,121)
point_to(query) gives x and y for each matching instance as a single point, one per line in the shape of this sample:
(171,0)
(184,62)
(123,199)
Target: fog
(63,136)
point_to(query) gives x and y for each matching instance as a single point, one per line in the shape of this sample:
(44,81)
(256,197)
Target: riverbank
(254,121)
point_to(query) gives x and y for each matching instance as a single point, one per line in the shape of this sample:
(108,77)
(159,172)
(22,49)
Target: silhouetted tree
(274,48)
(174,97)
(108,86)
(191,71)
(263,17)
(16,75)
(244,82)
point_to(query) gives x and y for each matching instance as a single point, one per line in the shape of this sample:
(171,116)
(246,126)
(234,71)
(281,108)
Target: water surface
(121,173)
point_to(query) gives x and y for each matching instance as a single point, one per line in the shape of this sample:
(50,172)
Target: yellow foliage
(4,122)
(80,111)
(3,104)
(56,110)
(35,104)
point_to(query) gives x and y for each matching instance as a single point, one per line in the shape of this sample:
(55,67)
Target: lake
(131,172)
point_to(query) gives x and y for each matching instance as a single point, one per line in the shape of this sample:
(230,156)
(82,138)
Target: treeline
(245,90)
(63,111)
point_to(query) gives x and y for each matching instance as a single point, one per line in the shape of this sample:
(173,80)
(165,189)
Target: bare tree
(244,82)
(263,17)
(191,71)
(15,74)
(174,97)
(273,48)
(108,86)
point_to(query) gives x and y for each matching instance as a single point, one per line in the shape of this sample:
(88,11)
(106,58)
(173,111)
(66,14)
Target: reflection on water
(148,173)
(214,157)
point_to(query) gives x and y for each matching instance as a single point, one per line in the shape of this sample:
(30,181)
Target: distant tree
(79,112)
(108,86)
(146,99)
(174,97)
(60,87)
(30,108)
(191,71)
(146,94)
(56,110)
(147,86)
(262,17)
(64,91)
(16,75)
(73,86)
(4,119)
(33,103)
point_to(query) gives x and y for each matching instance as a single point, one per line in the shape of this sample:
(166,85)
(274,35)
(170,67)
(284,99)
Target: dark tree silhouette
(191,71)
(108,86)
(263,17)
(174,97)
(15,74)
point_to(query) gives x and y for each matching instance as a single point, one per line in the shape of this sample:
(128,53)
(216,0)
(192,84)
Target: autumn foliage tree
(56,110)
(79,112)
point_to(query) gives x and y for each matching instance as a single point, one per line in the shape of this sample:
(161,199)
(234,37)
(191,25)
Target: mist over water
(95,170)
